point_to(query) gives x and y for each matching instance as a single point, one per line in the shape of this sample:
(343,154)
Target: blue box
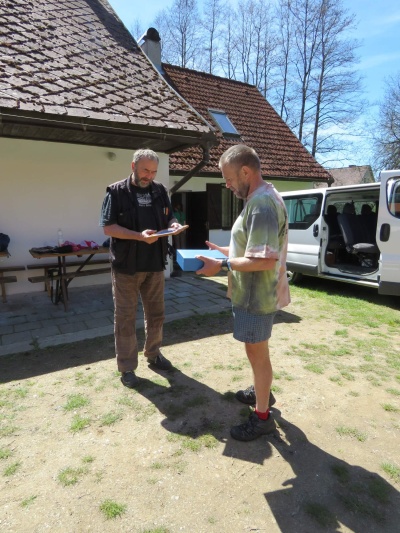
(186,259)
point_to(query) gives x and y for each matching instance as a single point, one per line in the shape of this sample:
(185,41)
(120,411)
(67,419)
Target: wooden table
(61,276)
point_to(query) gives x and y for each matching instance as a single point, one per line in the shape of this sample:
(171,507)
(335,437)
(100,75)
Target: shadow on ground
(328,493)
(53,359)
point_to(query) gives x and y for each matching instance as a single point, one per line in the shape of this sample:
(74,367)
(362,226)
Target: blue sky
(378,29)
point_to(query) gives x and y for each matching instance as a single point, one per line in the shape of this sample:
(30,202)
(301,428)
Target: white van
(349,233)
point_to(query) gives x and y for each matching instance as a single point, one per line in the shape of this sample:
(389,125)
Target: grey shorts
(251,328)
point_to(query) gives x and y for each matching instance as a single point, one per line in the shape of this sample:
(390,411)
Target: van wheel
(294,277)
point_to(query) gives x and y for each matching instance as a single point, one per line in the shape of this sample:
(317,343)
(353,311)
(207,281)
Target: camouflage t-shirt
(261,230)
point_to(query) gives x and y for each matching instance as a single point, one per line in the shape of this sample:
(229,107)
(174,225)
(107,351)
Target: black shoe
(253,428)
(248,396)
(130,379)
(161,362)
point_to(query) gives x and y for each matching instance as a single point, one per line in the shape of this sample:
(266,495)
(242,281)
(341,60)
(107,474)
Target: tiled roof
(281,153)
(352,175)
(64,63)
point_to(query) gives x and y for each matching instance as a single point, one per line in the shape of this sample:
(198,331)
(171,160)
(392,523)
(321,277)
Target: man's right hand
(148,237)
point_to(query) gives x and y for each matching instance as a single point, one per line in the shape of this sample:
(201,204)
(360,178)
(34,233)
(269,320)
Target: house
(240,114)
(350,175)
(77,97)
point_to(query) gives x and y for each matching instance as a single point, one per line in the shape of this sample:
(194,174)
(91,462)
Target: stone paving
(31,321)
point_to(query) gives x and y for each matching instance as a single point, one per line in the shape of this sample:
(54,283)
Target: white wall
(196,184)
(46,186)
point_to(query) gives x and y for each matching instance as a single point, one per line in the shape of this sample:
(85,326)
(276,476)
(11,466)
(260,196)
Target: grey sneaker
(253,428)
(248,396)
(129,379)
(161,362)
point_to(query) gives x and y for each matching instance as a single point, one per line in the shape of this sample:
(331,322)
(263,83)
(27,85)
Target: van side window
(393,196)
(302,210)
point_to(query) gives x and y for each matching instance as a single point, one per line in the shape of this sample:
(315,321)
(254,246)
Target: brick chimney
(152,47)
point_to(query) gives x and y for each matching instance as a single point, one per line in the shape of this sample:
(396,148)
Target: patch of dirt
(164,451)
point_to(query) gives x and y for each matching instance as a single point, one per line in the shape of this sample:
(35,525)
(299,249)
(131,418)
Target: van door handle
(315,230)
(385,232)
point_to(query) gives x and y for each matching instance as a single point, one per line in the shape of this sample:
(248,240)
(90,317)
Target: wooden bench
(47,267)
(8,279)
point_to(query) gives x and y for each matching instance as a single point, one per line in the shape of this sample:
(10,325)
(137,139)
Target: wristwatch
(226,265)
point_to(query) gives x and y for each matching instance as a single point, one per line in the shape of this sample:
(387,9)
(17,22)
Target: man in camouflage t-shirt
(256,258)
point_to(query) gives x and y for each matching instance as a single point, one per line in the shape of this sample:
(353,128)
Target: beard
(140,182)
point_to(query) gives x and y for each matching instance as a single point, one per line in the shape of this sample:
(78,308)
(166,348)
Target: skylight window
(223,122)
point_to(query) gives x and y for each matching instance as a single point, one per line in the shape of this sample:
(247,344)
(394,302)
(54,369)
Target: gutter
(197,168)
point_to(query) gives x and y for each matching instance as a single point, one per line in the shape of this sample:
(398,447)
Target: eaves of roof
(282,155)
(71,72)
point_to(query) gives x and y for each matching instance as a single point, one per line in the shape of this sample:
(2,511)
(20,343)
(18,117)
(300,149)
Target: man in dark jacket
(133,210)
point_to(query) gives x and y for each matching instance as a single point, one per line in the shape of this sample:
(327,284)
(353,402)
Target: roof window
(223,122)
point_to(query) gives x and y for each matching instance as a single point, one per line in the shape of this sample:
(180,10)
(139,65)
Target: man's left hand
(211,266)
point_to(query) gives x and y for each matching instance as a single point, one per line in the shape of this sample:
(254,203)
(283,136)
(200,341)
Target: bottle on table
(60,238)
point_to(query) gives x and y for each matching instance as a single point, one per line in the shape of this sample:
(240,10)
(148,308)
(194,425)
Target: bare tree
(137,29)
(336,99)
(255,42)
(284,47)
(229,59)
(300,56)
(387,137)
(212,22)
(178,27)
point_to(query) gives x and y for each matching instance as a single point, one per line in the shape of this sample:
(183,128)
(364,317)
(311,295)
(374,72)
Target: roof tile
(282,154)
(63,55)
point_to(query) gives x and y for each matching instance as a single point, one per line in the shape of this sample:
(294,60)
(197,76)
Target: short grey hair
(240,156)
(145,154)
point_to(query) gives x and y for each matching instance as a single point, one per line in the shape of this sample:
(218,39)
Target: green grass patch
(351,432)
(21,392)
(315,368)
(84,379)
(10,470)
(128,401)
(156,465)
(145,413)
(108,419)
(76,401)
(393,471)
(390,408)
(7,431)
(393,360)
(28,501)
(5,453)
(346,374)
(79,423)
(208,441)
(111,509)
(342,332)
(395,392)
(71,476)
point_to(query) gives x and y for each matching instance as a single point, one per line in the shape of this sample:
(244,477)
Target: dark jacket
(123,251)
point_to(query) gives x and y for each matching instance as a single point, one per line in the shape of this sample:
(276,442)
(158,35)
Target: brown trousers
(126,291)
